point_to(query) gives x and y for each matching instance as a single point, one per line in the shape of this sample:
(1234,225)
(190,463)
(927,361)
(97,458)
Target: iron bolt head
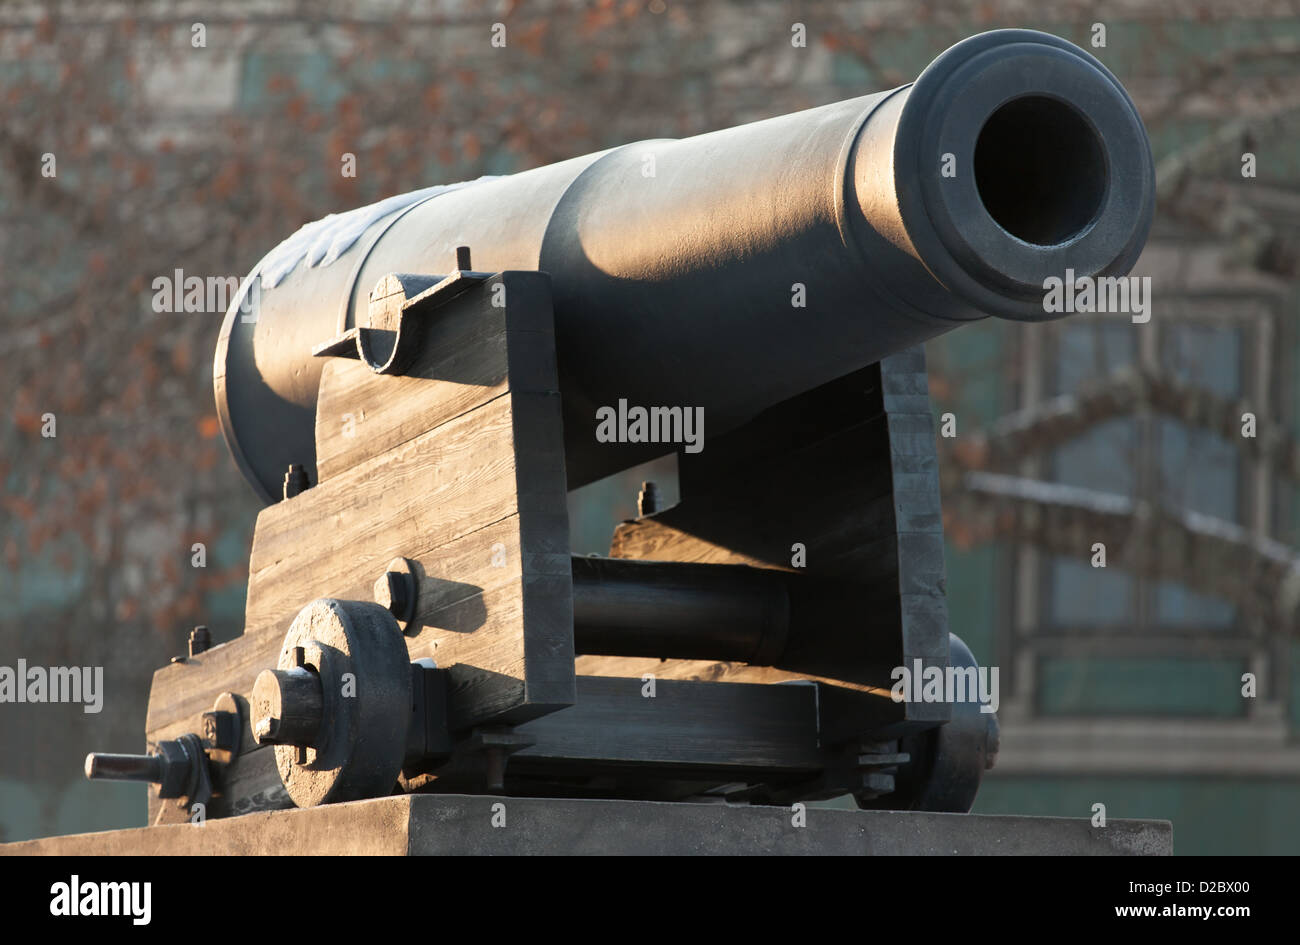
(295,481)
(389,592)
(647,500)
(221,730)
(265,730)
(395,590)
(200,640)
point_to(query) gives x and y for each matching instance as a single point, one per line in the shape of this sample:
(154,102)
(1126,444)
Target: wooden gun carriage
(416,405)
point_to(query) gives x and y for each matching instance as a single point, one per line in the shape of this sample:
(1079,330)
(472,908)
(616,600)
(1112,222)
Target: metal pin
(108,767)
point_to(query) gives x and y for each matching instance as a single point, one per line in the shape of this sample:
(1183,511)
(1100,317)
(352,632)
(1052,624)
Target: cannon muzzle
(733,270)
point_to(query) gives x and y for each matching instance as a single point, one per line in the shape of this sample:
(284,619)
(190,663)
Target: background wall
(195,136)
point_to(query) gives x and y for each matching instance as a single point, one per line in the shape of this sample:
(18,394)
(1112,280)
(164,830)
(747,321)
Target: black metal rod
(626,607)
(101,766)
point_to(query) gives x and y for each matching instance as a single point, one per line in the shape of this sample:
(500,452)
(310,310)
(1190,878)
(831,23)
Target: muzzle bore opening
(1040,170)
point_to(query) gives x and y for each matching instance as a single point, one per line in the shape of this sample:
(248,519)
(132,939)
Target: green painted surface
(1293,703)
(966,369)
(1210,815)
(80,806)
(972,598)
(1185,688)
(966,379)
(44,582)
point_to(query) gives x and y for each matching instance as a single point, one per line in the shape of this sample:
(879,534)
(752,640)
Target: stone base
(453,825)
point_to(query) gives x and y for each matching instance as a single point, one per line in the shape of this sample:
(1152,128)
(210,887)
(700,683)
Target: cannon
(414,388)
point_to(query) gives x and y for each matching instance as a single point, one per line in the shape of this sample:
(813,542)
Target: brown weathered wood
(461,471)
(696,670)
(183,691)
(335,539)
(252,784)
(465,363)
(361,414)
(722,727)
(448,612)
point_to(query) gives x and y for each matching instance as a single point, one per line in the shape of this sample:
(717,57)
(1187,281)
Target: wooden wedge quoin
(416,412)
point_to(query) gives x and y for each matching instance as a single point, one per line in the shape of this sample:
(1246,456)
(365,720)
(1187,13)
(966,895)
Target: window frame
(1260,739)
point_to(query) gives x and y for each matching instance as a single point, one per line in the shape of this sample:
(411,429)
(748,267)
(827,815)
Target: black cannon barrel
(679,266)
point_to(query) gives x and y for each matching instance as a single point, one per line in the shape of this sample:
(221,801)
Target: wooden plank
(336,539)
(361,414)
(465,363)
(181,692)
(476,622)
(252,784)
(476,502)
(704,670)
(716,726)
(447,613)
(444,484)
(458,632)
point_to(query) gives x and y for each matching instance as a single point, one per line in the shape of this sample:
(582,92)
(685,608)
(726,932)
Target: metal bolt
(497,745)
(391,593)
(200,640)
(287,706)
(221,730)
(395,590)
(295,481)
(647,500)
(177,766)
(107,767)
(496,769)
(265,730)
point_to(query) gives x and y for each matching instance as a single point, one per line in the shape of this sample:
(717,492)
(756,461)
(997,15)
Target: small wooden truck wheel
(337,704)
